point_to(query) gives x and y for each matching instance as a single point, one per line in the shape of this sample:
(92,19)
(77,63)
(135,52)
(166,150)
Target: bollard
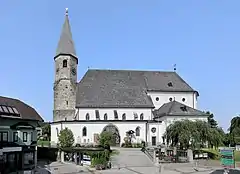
(160,168)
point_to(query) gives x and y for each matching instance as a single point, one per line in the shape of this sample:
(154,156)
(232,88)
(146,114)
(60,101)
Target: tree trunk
(59,156)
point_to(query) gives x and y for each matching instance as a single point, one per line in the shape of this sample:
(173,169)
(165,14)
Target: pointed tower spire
(66,44)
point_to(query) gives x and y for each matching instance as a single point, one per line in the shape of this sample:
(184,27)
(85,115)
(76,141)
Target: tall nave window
(84,132)
(137,131)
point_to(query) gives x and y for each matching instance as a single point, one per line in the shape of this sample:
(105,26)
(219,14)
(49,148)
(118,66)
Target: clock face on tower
(73,71)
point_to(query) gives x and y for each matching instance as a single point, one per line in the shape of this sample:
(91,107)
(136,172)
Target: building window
(153,130)
(67,103)
(31,136)
(87,116)
(170,84)
(84,132)
(157,98)
(137,131)
(97,114)
(15,136)
(141,116)
(183,99)
(183,108)
(28,158)
(57,131)
(115,115)
(64,63)
(25,136)
(135,116)
(123,116)
(4,136)
(170,99)
(105,116)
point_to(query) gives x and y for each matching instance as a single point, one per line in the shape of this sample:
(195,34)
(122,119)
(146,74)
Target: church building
(116,100)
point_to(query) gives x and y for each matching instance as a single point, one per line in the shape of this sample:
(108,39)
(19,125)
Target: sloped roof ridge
(133,70)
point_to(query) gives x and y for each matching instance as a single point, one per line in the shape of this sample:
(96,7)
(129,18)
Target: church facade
(116,100)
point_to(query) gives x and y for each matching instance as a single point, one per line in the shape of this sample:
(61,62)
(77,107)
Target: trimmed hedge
(45,153)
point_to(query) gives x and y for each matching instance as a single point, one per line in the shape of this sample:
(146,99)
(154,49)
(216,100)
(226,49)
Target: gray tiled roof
(66,44)
(26,111)
(125,88)
(175,108)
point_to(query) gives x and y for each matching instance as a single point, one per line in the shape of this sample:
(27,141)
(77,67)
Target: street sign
(227,158)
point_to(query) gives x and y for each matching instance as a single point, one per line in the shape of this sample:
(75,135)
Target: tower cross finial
(175,67)
(66,11)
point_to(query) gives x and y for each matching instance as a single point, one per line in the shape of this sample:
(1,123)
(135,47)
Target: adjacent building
(18,135)
(116,100)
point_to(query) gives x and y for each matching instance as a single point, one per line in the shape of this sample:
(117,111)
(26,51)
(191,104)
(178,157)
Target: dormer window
(135,116)
(64,63)
(170,84)
(115,115)
(87,116)
(170,99)
(105,116)
(183,108)
(123,116)
(97,114)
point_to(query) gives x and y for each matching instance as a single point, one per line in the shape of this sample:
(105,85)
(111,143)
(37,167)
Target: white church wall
(129,113)
(156,129)
(97,128)
(159,98)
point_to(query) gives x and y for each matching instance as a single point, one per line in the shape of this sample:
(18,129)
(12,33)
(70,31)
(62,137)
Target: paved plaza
(62,168)
(133,161)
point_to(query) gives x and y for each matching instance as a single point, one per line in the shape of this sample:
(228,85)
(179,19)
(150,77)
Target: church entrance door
(115,133)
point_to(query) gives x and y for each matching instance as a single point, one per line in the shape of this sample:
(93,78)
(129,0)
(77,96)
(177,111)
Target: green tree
(46,131)
(65,138)
(106,139)
(194,134)
(234,131)
(211,121)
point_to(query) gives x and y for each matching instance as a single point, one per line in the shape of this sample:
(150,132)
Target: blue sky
(201,37)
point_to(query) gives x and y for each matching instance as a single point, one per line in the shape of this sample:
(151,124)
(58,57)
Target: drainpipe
(194,100)
(146,134)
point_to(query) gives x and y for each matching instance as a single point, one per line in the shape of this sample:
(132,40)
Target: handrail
(149,154)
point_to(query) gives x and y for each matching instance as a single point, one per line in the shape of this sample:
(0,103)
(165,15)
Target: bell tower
(65,83)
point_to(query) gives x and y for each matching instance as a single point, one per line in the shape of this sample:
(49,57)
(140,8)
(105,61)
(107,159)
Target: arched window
(141,116)
(57,131)
(64,63)
(123,116)
(135,116)
(84,132)
(87,116)
(105,116)
(137,131)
